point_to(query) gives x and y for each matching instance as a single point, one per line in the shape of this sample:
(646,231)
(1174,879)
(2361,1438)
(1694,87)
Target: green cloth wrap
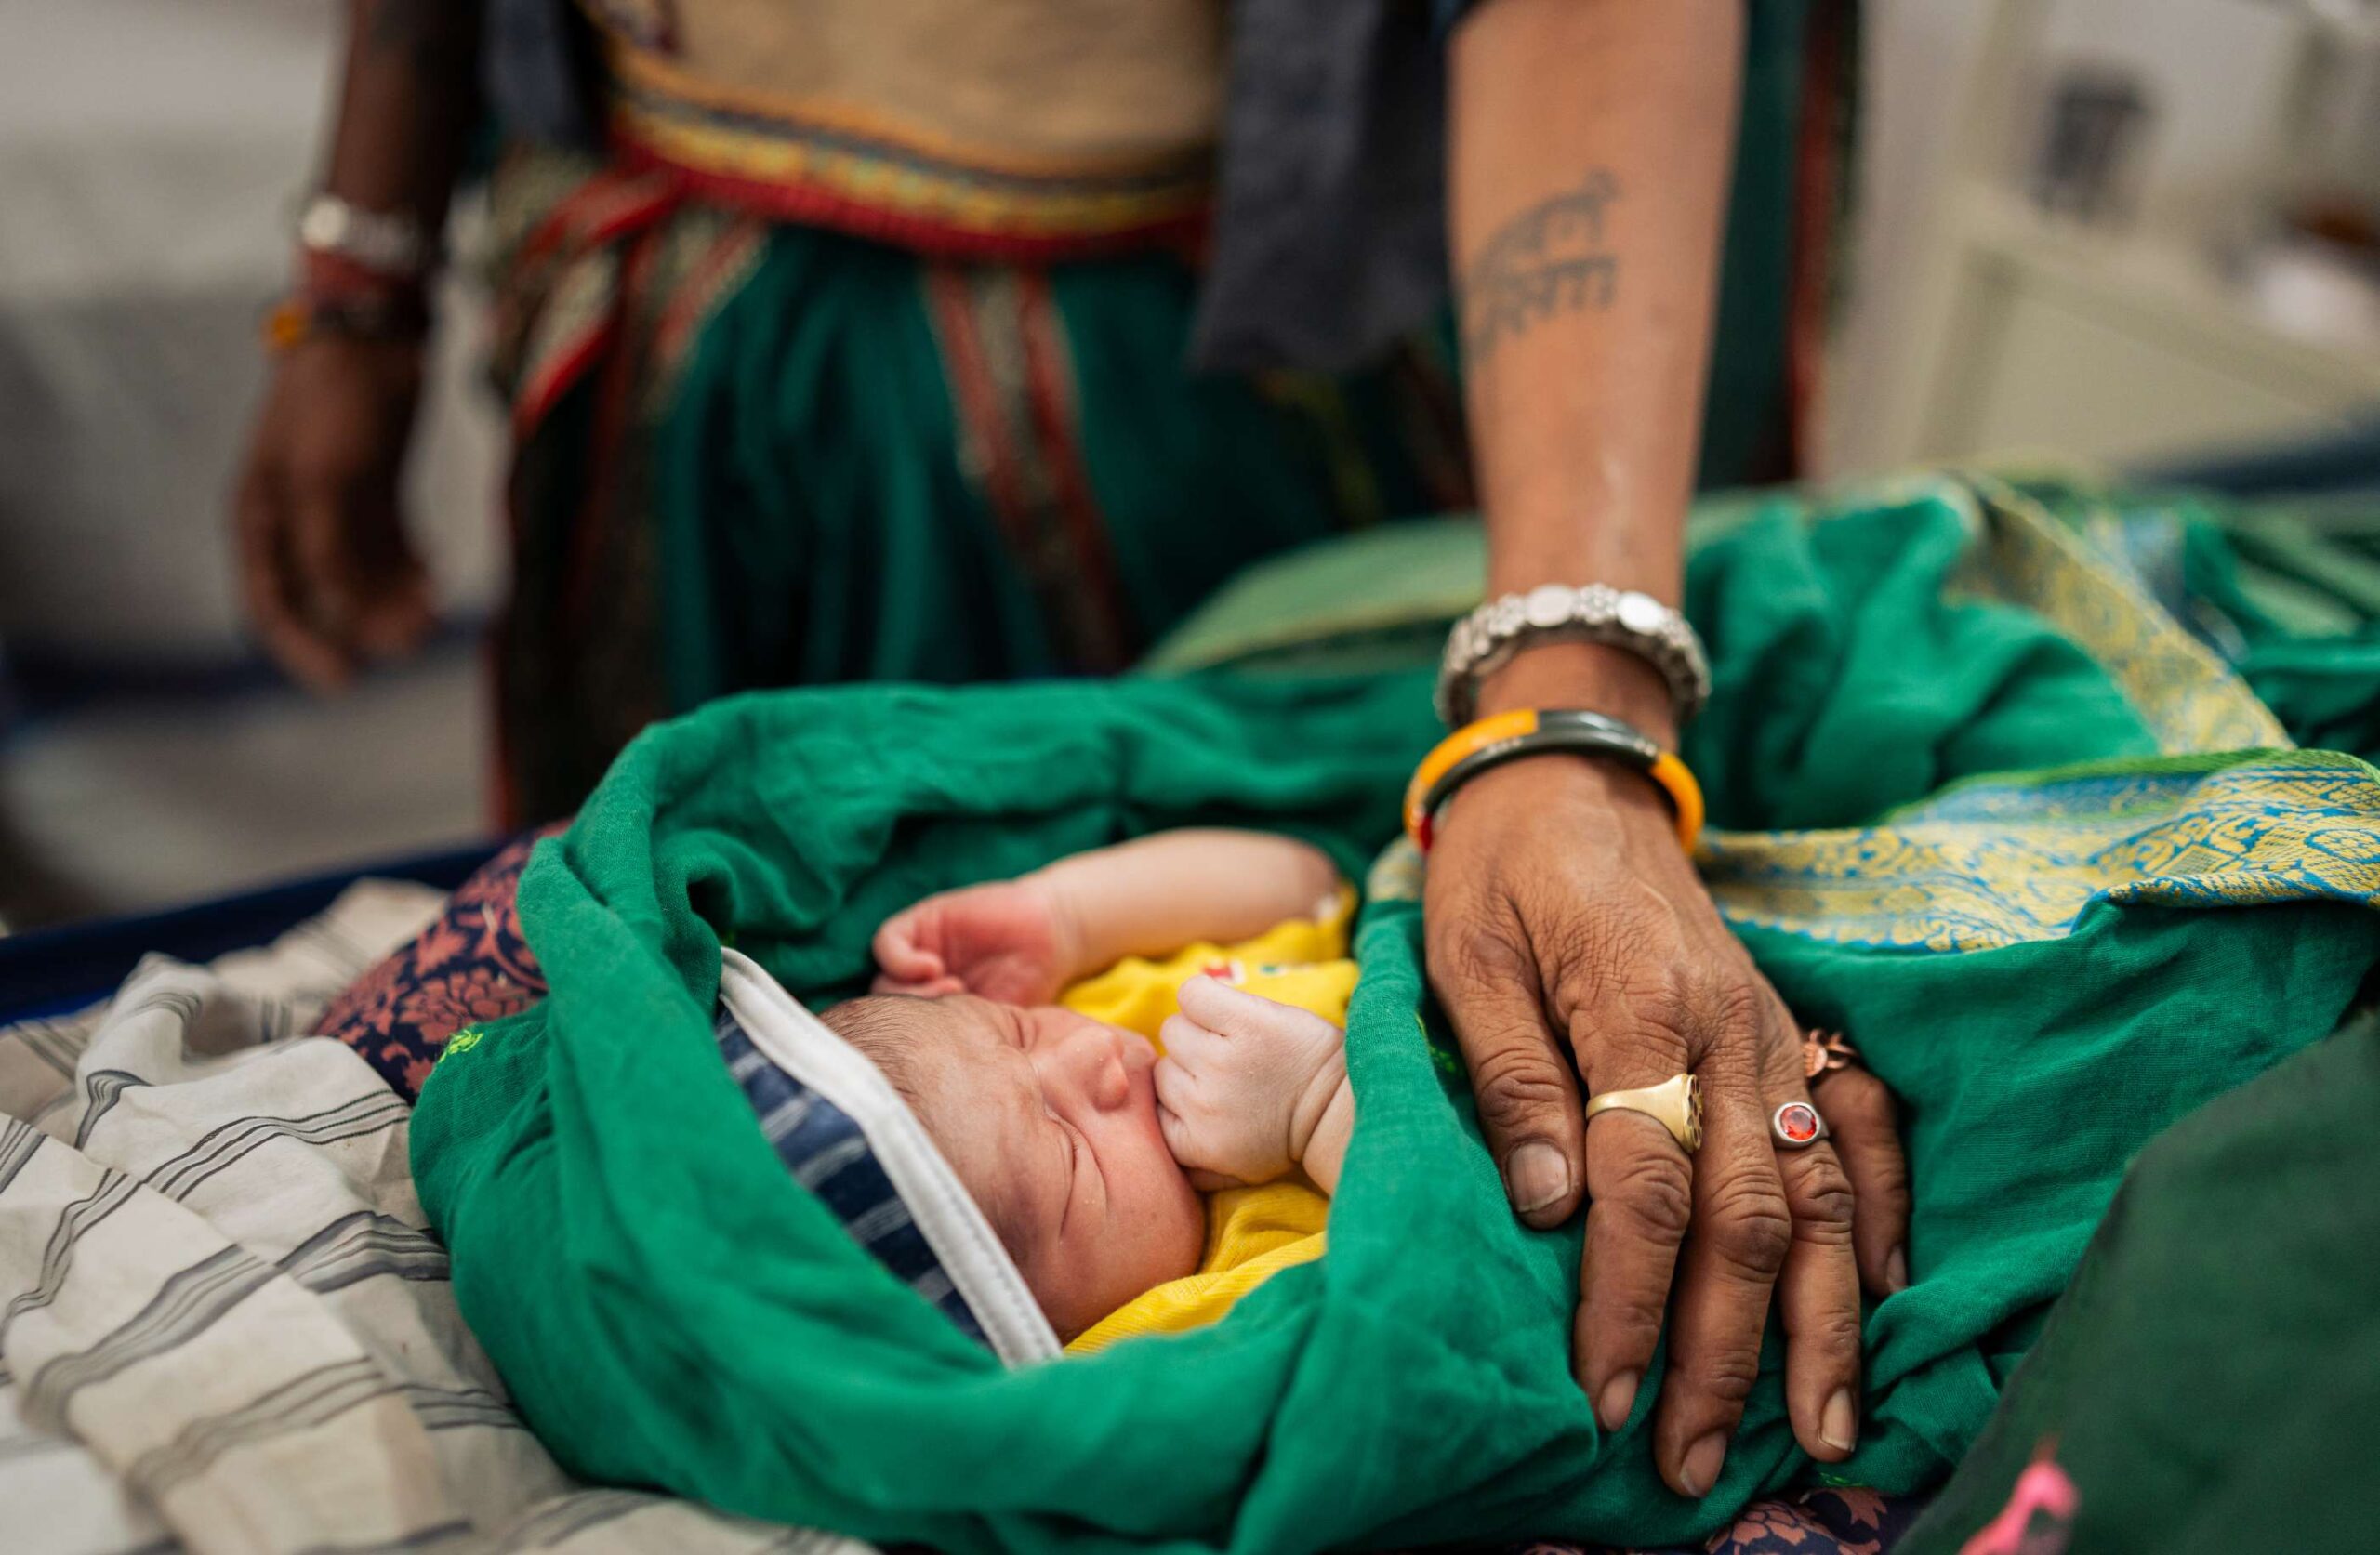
(2207,1385)
(2048,967)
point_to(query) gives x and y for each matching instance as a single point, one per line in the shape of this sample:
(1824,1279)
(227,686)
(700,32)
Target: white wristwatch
(385,242)
(1483,641)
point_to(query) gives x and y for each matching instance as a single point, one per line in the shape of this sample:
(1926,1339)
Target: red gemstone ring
(1796,1126)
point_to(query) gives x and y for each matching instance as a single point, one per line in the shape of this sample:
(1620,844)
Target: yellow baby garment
(1251,1233)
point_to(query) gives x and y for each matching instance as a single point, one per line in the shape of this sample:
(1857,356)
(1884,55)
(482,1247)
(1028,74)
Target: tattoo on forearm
(1547,261)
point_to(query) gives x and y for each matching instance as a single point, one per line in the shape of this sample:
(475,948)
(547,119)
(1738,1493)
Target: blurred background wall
(2124,230)
(149,152)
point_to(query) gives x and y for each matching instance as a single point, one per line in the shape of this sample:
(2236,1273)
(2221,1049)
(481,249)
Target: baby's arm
(1023,940)
(1154,894)
(1250,1088)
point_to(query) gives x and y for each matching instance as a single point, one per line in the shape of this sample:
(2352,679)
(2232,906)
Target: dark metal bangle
(1579,733)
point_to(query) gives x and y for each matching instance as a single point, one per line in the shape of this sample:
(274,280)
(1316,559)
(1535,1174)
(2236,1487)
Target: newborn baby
(1085,1145)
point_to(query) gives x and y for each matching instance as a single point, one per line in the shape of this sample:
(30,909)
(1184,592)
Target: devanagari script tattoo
(1549,260)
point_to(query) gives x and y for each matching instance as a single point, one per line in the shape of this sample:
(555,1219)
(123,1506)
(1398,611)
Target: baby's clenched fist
(1245,1083)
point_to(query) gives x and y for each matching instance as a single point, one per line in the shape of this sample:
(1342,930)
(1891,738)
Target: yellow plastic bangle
(1515,729)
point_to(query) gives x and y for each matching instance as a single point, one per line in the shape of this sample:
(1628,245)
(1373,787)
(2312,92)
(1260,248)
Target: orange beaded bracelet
(1491,742)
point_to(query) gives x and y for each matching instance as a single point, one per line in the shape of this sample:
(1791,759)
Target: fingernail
(1839,1425)
(1897,1270)
(1700,1470)
(1617,1397)
(1536,1175)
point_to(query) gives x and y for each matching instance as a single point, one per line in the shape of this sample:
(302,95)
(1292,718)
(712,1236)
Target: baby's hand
(1003,940)
(1243,1083)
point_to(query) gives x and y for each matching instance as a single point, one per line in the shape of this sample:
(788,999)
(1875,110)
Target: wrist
(1617,798)
(394,244)
(1576,533)
(1591,677)
(1570,531)
(384,319)
(1326,1148)
(1069,940)
(335,276)
(1314,1101)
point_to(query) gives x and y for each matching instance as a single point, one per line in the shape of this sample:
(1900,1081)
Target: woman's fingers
(1817,1290)
(1817,1296)
(325,572)
(328,575)
(1641,1184)
(1859,1113)
(1742,1228)
(1527,1088)
(269,582)
(393,613)
(1540,948)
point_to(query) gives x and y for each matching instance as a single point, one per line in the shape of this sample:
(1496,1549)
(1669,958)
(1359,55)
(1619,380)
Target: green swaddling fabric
(2208,1383)
(2048,967)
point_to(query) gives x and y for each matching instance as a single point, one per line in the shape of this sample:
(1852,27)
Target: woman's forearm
(1589,148)
(408,97)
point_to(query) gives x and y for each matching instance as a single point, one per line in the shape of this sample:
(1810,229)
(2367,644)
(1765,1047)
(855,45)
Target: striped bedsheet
(223,1325)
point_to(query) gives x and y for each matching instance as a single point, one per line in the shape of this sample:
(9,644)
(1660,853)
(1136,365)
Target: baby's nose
(1103,1061)
(1139,1052)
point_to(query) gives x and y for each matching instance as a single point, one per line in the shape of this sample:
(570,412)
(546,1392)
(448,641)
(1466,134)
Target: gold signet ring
(1675,1104)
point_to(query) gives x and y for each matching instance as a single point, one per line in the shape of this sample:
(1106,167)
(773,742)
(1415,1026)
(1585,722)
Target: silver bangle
(1485,640)
(386,241)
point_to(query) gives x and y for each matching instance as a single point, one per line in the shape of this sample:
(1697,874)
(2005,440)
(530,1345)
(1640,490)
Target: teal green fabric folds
(2057,870)
(2208,1382)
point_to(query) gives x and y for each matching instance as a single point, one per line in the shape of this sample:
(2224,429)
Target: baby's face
(1049,1120)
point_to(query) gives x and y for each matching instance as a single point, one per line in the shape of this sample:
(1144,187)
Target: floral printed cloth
(1828,1521)
(471,966)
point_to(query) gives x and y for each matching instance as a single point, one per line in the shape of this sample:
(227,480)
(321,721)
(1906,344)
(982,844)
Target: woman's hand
(1569,938)
(1587,167)
(1005,939)
(328,576)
